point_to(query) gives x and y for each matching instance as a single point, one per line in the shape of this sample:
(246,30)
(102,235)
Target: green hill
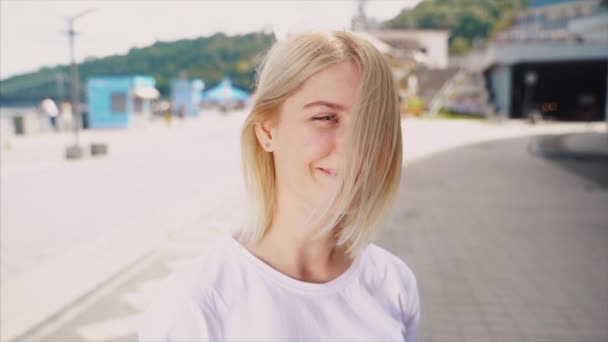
(208,58)
(211,58)
(469,21)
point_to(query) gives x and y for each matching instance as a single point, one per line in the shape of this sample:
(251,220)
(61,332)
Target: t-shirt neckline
(288,282)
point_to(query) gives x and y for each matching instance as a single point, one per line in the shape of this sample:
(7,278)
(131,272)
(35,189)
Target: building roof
(543,3)
(377,43)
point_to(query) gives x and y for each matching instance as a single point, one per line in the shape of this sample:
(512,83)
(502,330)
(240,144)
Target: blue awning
(225,92)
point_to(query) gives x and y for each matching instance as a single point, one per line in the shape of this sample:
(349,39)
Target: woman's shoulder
(396,281)
(389,270)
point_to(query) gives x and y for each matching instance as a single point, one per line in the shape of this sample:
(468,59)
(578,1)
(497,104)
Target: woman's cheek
(318,145)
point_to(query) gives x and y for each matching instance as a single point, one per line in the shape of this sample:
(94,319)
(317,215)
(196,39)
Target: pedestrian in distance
(168,114)
(50,110)
(321,157)
(65,113)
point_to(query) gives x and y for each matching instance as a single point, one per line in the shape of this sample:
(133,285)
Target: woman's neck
(289,248)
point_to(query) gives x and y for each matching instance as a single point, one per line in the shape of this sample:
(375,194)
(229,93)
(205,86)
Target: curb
(553,147)
(106,258)
(71,310)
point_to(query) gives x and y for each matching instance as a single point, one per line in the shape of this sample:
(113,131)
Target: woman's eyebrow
(325,104)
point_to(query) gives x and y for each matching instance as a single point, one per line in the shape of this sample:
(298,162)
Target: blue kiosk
(186,96)
(120,102)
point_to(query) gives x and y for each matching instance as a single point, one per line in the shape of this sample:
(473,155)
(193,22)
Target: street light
(530,79)
(75,152)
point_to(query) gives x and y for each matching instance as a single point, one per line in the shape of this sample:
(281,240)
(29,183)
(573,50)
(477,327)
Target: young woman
(321,152)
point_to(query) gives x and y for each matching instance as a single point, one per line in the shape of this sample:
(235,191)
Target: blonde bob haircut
(370,168)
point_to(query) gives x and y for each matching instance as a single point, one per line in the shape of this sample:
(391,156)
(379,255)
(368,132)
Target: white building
(428,47)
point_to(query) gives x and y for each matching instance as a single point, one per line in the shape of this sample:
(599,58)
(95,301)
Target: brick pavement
(507,246)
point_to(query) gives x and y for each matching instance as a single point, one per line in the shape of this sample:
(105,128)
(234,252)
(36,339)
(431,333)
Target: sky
(32,33)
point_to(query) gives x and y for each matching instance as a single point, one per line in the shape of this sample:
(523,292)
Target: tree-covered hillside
(468,20)
(211,58)
(207,58)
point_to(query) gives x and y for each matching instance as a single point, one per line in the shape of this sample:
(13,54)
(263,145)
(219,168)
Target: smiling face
(307,137)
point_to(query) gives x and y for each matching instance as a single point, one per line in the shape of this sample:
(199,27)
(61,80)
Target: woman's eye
(327,118)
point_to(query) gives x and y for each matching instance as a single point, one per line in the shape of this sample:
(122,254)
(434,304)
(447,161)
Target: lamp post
(530,79)
(75,152)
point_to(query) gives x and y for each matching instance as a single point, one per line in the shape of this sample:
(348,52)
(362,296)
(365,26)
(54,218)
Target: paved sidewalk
(585,154)
(507,245)
(590,143)
(68,226)
(444,196)
(586,145)
(112,313)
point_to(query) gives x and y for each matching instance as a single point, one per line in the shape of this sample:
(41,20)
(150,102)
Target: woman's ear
(265,133)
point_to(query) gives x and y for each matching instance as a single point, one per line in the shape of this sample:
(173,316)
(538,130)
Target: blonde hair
(371,168)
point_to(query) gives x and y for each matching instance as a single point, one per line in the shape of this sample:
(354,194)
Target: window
(119,102)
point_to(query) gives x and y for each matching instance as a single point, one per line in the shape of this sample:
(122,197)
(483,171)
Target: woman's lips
(329,172)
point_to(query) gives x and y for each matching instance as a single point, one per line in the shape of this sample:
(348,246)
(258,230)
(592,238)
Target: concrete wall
(434,41)
(512,53)
(592,28)
(500,85)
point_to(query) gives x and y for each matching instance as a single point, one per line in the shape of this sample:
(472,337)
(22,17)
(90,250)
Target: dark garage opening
(564,91)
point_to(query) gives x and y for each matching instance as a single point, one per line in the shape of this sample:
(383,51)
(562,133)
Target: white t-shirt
(228,294)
